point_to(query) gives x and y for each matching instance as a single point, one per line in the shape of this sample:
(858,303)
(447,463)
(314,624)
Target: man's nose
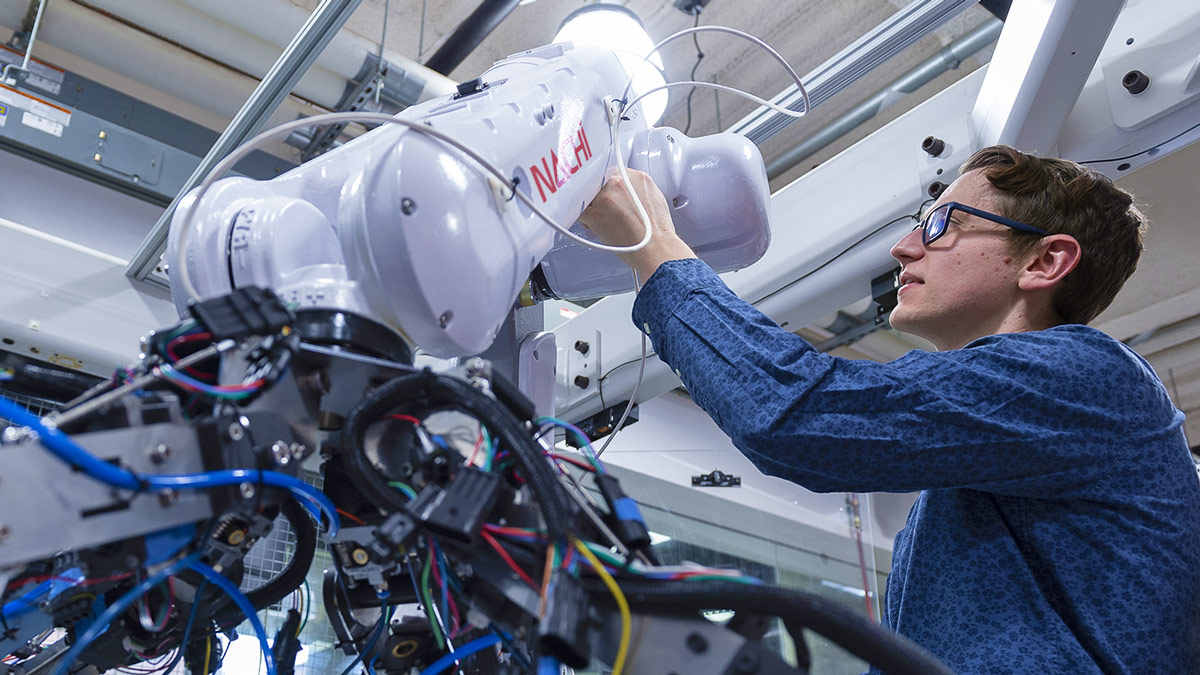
(909,247)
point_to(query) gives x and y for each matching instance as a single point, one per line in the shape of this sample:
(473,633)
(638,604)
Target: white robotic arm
(401,228)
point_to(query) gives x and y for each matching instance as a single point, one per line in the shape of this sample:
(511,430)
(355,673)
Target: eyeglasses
(934,224)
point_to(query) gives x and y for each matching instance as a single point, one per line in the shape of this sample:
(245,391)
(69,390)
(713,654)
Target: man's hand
(615,220)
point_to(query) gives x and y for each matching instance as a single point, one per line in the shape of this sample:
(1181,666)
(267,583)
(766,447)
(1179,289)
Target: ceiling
(1163,297)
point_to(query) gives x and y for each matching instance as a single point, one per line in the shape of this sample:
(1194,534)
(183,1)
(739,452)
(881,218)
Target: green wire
(433,624)
(491,448)
(308,600)
(408,491)
(749,581)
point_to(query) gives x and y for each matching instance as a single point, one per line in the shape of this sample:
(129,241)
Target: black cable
(292,576)
(888,651)
(1139,154)
(699,57)
(433,389)
(843,252)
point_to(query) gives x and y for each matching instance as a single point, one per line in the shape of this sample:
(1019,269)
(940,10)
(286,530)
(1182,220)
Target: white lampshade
(617,28)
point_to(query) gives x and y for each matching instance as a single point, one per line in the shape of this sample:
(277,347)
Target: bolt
(697,643)
(746,662)
(281,452)
(5,533)
(408,206)
(235,432)
(168,497)
(1135,82)
(582,346)
(159,454)
(936,188)
(444,319)
(247,490)
(933,145)
(582,381)
(298,450)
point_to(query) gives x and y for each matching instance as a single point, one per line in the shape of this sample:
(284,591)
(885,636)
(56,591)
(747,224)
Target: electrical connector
(459,510)
(287,644)
(563,631)
(245,311)
(628,523)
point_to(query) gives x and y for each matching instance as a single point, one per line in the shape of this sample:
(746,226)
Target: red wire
(566,563)
(357,520)
(508,559)
(406,418)
(478,445)
(187,338)
(577,462)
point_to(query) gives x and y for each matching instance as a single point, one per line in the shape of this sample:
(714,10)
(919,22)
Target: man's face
(964,285)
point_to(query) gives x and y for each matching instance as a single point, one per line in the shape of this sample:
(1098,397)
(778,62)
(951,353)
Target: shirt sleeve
(997,416)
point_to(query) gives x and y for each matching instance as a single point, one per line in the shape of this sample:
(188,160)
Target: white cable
(625,177)
(343,117)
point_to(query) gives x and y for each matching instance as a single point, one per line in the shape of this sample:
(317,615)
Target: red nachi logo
(556,171)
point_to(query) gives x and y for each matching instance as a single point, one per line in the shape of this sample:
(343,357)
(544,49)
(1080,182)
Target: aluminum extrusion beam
(887,39)
(947,58)
(320,28)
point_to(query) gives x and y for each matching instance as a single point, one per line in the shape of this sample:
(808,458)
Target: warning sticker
(41,75)
(44,109)
(3,114)
(42,124)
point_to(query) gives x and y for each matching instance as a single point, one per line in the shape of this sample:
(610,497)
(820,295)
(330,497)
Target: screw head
(247,490)
(159,454)
(235,432)
(5,532)
(281,452)
(582,381)
(360,557)
(582,346)
(408,206)
(167,497)
(444,319)
(297,451)
(936,188)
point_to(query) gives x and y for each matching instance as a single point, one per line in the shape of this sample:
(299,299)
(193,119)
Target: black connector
(563,631)
(395,532)
(287,644)
(603,423)
(459,510)
(245,311)
(628,523)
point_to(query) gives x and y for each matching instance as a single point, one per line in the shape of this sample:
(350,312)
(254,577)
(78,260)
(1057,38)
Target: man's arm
(996,417)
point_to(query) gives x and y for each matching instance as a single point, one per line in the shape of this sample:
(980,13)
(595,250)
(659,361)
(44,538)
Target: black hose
(888,651)
(439,390)
(292,576)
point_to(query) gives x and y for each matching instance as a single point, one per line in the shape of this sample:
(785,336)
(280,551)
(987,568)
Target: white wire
(625,176)
(343,117)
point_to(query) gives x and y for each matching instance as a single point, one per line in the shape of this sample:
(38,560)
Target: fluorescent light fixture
(612,26)
(718,615)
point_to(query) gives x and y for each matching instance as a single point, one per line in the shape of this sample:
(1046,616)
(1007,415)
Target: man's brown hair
(1062,197)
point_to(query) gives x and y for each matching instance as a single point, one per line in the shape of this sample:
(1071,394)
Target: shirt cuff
(666,289)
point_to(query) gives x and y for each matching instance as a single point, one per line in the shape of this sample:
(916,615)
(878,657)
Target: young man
(1058,530)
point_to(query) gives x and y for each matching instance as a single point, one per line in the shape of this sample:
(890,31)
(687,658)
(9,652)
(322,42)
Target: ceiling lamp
(617,28)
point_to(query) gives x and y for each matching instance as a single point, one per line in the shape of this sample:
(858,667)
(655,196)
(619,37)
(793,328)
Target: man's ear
(1051,260)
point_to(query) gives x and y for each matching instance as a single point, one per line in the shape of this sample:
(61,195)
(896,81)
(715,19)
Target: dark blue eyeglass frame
(935,223)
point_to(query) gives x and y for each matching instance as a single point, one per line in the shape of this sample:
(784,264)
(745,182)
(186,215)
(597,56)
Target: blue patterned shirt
(1058,527)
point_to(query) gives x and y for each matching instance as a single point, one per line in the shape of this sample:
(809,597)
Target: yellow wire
(207,653)
(622,605)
